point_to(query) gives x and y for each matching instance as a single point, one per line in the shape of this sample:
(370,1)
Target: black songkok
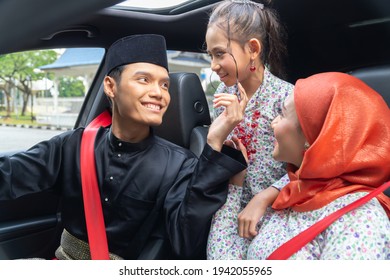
(149,48)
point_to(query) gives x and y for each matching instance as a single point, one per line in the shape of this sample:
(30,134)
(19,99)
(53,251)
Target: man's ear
(254,48)
(109,86)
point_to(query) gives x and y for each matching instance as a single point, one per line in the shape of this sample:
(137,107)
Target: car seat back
(377,77)
(187,119)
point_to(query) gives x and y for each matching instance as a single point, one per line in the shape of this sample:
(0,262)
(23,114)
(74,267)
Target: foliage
(211,88)
(18,70)
(71,87)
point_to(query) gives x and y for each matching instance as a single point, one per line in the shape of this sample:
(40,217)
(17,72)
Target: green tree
(71,87)
(17,71)
(211,88)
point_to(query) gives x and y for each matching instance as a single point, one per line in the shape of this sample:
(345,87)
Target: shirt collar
(119,145)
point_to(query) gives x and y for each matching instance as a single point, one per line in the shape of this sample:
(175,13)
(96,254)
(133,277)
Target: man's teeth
(152,106)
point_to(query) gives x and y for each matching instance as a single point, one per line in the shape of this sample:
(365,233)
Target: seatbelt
(293,245)
(96,229)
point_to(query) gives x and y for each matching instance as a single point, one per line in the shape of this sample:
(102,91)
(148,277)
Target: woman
(334,132)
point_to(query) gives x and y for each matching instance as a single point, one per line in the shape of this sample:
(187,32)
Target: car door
(30,226)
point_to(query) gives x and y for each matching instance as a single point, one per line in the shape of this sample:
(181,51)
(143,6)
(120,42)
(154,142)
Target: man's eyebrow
(167,79)
(143,73)
(149,74)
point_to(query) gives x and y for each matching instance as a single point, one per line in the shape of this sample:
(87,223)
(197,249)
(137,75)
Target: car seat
(187,119)
(377,77)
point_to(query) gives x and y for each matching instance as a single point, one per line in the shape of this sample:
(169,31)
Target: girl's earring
(306,147)
(253,67)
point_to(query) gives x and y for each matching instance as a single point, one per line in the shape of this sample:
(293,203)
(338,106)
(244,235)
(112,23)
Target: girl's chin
(275,153)
(228,82)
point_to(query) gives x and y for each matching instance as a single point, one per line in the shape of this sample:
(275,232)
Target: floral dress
(362,234)
(263,171)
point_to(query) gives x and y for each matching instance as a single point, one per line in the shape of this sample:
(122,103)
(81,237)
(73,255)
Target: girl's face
(290,141)
(222,51)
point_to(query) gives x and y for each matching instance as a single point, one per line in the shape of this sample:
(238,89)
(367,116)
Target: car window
(198,63)
(41,93)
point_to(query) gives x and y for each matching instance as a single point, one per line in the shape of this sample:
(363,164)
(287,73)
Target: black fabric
(129,177)
(152,223)
(148,48)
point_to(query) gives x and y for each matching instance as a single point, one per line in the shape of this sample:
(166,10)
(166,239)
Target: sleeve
(223,241)
(31,171)
(281,182)
(199,191)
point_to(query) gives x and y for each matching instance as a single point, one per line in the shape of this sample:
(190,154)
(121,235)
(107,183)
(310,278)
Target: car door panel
(30,227)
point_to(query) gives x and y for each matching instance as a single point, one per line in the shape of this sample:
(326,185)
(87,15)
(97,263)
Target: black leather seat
(378,78)
(187,119)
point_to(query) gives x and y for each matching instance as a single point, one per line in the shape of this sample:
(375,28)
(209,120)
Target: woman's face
(221,52)
(290,141)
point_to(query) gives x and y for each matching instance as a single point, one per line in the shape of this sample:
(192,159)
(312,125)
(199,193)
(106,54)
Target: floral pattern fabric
(256,134)
(361,234)
(263,171)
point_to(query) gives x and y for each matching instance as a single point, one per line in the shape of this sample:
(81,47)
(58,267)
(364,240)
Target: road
(16,138)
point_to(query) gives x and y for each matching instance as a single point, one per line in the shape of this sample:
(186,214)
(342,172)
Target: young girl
(245,42)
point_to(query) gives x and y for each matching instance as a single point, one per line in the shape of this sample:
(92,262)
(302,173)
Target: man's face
(142,97)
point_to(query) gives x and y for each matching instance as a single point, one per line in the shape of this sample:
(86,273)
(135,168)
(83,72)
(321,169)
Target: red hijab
(347,125)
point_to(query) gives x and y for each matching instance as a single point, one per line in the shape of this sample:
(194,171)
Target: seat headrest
(188,109)
(377,77)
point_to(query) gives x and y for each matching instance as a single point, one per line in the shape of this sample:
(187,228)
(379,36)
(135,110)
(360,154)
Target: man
(135,168)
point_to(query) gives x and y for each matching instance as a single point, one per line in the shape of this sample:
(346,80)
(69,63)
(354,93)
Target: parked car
(350,36)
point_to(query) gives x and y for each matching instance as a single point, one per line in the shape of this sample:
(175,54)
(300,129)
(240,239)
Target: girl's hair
(244,19)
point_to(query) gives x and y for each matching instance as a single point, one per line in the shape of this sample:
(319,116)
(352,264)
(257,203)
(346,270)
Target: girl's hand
(228,119)
(250,216)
